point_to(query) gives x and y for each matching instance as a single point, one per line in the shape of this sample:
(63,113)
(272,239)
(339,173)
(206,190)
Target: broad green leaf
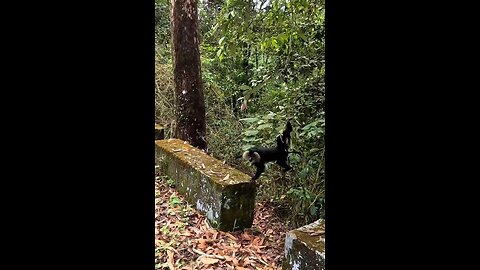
(283,37)
(245,87)
(247,146)
(274,43)
(221,41)
(174,201)
(249,120)
(264,126)
(269,116)
(249,139)
(251,132)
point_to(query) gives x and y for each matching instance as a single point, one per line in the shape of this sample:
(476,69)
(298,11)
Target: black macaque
(261,155)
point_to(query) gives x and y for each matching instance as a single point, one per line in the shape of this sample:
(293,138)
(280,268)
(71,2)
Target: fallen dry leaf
(261,241)
(260,248)
(246,237)
(170,261)
(202,244)
(186,233)
(231,237)
(215,234)
(247,261)
(207,261)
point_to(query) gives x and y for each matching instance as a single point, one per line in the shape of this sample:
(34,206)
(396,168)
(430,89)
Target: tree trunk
(190,105)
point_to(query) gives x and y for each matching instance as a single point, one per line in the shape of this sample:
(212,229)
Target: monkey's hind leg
(284,165)
(260,170)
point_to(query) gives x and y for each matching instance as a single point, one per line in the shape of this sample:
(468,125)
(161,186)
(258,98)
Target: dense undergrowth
(272,57)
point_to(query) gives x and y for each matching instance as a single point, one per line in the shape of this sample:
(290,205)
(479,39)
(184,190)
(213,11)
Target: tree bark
(189,99)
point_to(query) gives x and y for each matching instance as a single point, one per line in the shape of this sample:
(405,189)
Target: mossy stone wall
(225,195)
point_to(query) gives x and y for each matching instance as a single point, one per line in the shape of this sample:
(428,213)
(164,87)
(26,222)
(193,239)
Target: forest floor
(184,240)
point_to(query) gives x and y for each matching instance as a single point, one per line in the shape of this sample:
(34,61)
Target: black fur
(261,155)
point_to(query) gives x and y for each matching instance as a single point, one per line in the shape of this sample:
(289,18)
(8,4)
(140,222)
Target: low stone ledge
(224,194)
(305,247)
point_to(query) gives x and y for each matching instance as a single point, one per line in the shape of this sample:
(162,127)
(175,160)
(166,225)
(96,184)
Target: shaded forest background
(270,56)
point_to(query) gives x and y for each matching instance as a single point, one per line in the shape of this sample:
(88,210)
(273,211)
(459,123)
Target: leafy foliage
(162,30)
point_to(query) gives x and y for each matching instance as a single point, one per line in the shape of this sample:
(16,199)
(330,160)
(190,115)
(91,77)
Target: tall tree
(190,104)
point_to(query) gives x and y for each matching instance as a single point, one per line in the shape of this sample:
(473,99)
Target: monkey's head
(251,156)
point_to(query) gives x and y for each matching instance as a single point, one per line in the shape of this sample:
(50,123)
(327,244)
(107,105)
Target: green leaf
(251,132)
(313,124)
(302,36)
(249,139)
(247,146)
(264,126)
(245,87)
(283,37)
(174,200)
(303,173)
(221,41)
(249,120)
(269,116)
(257,87)
(274,43)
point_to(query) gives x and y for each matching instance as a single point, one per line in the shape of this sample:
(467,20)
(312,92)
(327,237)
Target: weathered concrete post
(305,247)
(225,195)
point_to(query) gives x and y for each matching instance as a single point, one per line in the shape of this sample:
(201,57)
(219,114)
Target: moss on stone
(224,194)
(305,247)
